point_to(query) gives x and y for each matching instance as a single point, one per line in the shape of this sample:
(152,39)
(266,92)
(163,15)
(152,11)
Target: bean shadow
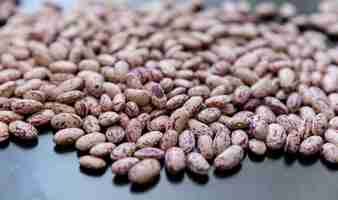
(64,149)
(92,172)
(174,178)
(198,179)
(275,155)
(81,153)
(4,144)
(307,160)
(25,144)
(120,180)
(256,158)
(137,188)
(289,159)
(227,173)
(330,166)
(45,129)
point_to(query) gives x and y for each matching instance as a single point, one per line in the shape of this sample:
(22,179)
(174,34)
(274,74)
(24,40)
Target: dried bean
(92,162)
(23,130)
(144,171)
(86,142)
(197,164)
(102,149)
(175,160)
(311,146)
(122,166)
(230,158)
(67,136)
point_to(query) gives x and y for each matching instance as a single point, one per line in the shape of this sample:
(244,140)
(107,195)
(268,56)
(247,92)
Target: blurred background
(31,5)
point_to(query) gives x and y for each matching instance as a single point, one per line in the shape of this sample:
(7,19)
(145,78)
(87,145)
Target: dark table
(40,172)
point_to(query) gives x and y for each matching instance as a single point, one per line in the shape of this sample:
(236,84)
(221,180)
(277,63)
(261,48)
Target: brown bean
(7,89)
(66,120)
(140,97)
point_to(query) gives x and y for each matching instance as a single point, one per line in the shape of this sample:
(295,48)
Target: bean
(197,164)
(85,142)
(121,167)
(276,137)
(257,147)
(175,160)
(102,149)
(329,152)
(311,145)
(67,136)
(149,152)
(92,162)
(23,130)
(144,171)
(4,132)
(230,158)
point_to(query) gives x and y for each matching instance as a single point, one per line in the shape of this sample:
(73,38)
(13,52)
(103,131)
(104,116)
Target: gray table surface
(41,172)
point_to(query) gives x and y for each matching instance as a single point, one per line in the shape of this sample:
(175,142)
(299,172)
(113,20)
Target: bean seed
(197,164)
(122,166)
(175,160)
(67,136)
(230,158)
(123,150)
(311,145)
(144,171)
(102,149)
(276,137)
(4,132)
(257,147)
(86,142)
(92,162)
(23,130)
(330,152)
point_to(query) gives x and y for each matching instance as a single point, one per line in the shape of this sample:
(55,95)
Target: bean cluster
(190,85)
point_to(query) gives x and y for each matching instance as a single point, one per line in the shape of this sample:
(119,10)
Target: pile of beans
(192,86)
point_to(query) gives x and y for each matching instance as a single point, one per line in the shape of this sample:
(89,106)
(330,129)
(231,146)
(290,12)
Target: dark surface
(39,172)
